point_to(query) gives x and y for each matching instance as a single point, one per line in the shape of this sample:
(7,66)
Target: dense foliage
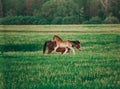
(58,11)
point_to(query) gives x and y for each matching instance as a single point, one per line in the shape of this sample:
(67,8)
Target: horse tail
(44,47)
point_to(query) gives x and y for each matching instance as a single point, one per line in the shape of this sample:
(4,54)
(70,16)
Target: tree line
(59,11)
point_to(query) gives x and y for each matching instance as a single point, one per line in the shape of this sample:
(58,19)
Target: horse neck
(57,39)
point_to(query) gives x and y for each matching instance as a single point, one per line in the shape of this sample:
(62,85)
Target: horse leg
(66,49)
(49,51)
(72,50)
(55,49)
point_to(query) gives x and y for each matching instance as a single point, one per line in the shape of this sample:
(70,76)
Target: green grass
(23,66)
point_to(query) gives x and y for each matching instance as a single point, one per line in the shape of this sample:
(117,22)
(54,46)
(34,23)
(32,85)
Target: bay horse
(52,44)
(63,44)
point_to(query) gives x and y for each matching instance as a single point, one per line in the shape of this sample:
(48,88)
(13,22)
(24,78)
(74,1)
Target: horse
(61,43)
(52,44)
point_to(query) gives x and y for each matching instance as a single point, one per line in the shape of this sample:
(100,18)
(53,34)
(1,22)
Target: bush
(93,20)
(86,22)
(57,20)
(0,20)
(70,20)
(111,20)
(16,20)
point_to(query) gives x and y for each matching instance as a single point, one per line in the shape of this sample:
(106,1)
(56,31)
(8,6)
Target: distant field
(23,66)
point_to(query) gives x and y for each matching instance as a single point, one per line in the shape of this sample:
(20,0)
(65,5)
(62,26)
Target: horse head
(76,44)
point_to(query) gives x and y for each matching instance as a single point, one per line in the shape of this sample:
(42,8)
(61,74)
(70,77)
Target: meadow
(24,66)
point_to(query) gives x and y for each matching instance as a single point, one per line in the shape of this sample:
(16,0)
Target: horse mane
(57,37)
(77,42)
(74,42)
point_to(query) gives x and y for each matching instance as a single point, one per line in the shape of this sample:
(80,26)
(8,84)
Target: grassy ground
(23,66)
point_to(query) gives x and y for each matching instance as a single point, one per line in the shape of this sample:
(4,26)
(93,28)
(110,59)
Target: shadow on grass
(20,47)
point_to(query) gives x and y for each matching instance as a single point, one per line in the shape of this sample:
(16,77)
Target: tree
(29,5)
(54,10)
(1,9)
(115,8)
(83,10)
(59,8)
(106,5)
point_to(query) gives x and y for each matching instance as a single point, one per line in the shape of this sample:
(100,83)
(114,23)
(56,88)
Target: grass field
(23,66)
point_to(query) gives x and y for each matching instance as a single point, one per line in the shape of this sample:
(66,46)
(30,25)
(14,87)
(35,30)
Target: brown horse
(52,44)
(63,44)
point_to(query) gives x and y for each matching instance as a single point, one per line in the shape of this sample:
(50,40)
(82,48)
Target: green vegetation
(59,12)
(23,66)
